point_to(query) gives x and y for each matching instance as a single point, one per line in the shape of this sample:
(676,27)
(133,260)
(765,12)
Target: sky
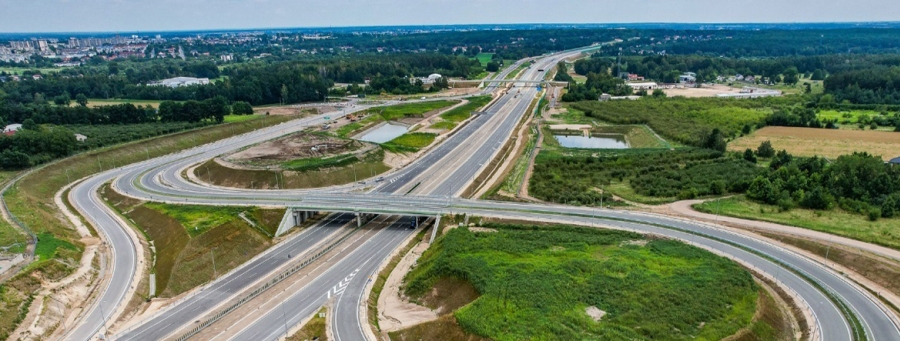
(165,15)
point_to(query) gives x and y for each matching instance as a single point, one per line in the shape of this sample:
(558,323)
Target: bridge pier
(293,218)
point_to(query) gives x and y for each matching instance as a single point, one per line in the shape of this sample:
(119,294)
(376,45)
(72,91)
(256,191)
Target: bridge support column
(437,225)
(358,220)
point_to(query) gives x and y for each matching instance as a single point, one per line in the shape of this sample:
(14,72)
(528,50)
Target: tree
(748,155)
(30,125)
(818,199)
(746,130)
(62,100)
(492,66)
(765,150)
(241,108)
(658,93)
(791,75)
(715,141)
(781,159)
(818,75)
(81,99)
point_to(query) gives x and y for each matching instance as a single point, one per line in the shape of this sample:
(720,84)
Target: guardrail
(265,287)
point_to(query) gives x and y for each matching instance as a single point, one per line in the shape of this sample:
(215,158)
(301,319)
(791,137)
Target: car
(362,182)
(379,179)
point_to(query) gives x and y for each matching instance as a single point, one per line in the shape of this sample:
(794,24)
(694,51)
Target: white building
(637,86)
(180,81)
(80,138)
(12,128)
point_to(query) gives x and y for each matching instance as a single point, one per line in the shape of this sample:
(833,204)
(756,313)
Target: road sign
(327,118)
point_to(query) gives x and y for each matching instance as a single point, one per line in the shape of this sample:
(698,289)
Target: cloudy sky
(150,15)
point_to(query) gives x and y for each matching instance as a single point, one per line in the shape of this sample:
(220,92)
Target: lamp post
(213,253)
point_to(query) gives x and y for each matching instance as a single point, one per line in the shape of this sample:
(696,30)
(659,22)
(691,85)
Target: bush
(765,150)
(874,214)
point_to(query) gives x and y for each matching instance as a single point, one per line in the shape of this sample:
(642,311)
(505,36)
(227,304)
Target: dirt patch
(829,143)
(704,91)
(445,328)
(595,313)
(638,242)
(395,310)
(294,146)
(482,229)
(449,294)
(575,127)
(294,110)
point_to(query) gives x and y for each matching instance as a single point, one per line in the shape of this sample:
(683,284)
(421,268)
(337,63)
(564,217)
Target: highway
(441,173)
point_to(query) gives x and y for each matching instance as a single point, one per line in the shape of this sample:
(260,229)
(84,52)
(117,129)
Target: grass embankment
(828,143)
(187,238)
(409,142)
(836,221)
(312,330)
(32,201)
(538,282)
(312,175)
(451,118)
(378,286)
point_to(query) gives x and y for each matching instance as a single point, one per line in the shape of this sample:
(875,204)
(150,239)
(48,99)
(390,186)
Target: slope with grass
(542,282)
(188,238)
(836,221)
(409,142)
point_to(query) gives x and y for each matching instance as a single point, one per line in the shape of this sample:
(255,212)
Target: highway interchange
(437,177)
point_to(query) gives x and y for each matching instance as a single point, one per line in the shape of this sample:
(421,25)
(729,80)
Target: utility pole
(208,176)
(68,180)
(99,165)
(148,152)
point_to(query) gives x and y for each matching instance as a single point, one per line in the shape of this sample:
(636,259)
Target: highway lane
(218,292)
(197,304)
(347,274)
(434,205)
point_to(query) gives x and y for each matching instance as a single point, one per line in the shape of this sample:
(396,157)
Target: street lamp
(213,253)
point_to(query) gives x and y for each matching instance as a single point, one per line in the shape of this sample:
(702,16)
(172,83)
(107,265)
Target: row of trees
(858,182)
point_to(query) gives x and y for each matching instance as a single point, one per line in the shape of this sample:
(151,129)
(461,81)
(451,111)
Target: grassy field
(358,126)
(638,136)
(401,111)
(239,118)
(409,142)
(882,232)
(463,112)
(445,125)
(684,120)
(369,166)
(96,102)
(187,238)
(484,58)
(828,143)
(20,70)
(570,115)
(537,283)
(515,72)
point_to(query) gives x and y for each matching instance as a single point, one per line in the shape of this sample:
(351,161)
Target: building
(605,97)
(12,129)
(226,57)
(749,92)
(637,86)
(895,161)
(80,138)
(688,77)
(180,81)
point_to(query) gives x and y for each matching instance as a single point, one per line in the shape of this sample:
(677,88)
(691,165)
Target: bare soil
(294,146)
(704,91)
(829,143)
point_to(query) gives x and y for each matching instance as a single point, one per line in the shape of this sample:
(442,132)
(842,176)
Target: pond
(606,141)
(384,133)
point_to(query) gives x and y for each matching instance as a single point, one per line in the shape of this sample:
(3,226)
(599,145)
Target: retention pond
(604,141)
(384,133)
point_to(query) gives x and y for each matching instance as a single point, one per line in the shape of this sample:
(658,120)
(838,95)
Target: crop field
(463,112)
(683,120)
(650,176)
(96,102)
(541,283)
(409,142)
(882,232)
(828,143)
(187,238)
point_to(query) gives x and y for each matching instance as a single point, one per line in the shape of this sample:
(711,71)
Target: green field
(96,102)
(535,283)
(355,127)
(484,58)
(312,175)
(20,70)
(461,113)
(397,112)
(409,142)
(685,120)
(446,125)
(855,226)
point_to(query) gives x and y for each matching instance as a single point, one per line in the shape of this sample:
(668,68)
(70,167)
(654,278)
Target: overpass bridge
(483,83)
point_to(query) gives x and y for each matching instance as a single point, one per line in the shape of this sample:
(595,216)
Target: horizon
(100,16)
(513,26)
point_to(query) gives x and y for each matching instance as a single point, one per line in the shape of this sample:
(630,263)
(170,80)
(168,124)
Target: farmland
(684,120)
(644,175)
(828,143)
(185,238)
(530,282)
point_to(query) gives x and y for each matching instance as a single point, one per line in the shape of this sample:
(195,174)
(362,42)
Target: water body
(611,141)
(384,133)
